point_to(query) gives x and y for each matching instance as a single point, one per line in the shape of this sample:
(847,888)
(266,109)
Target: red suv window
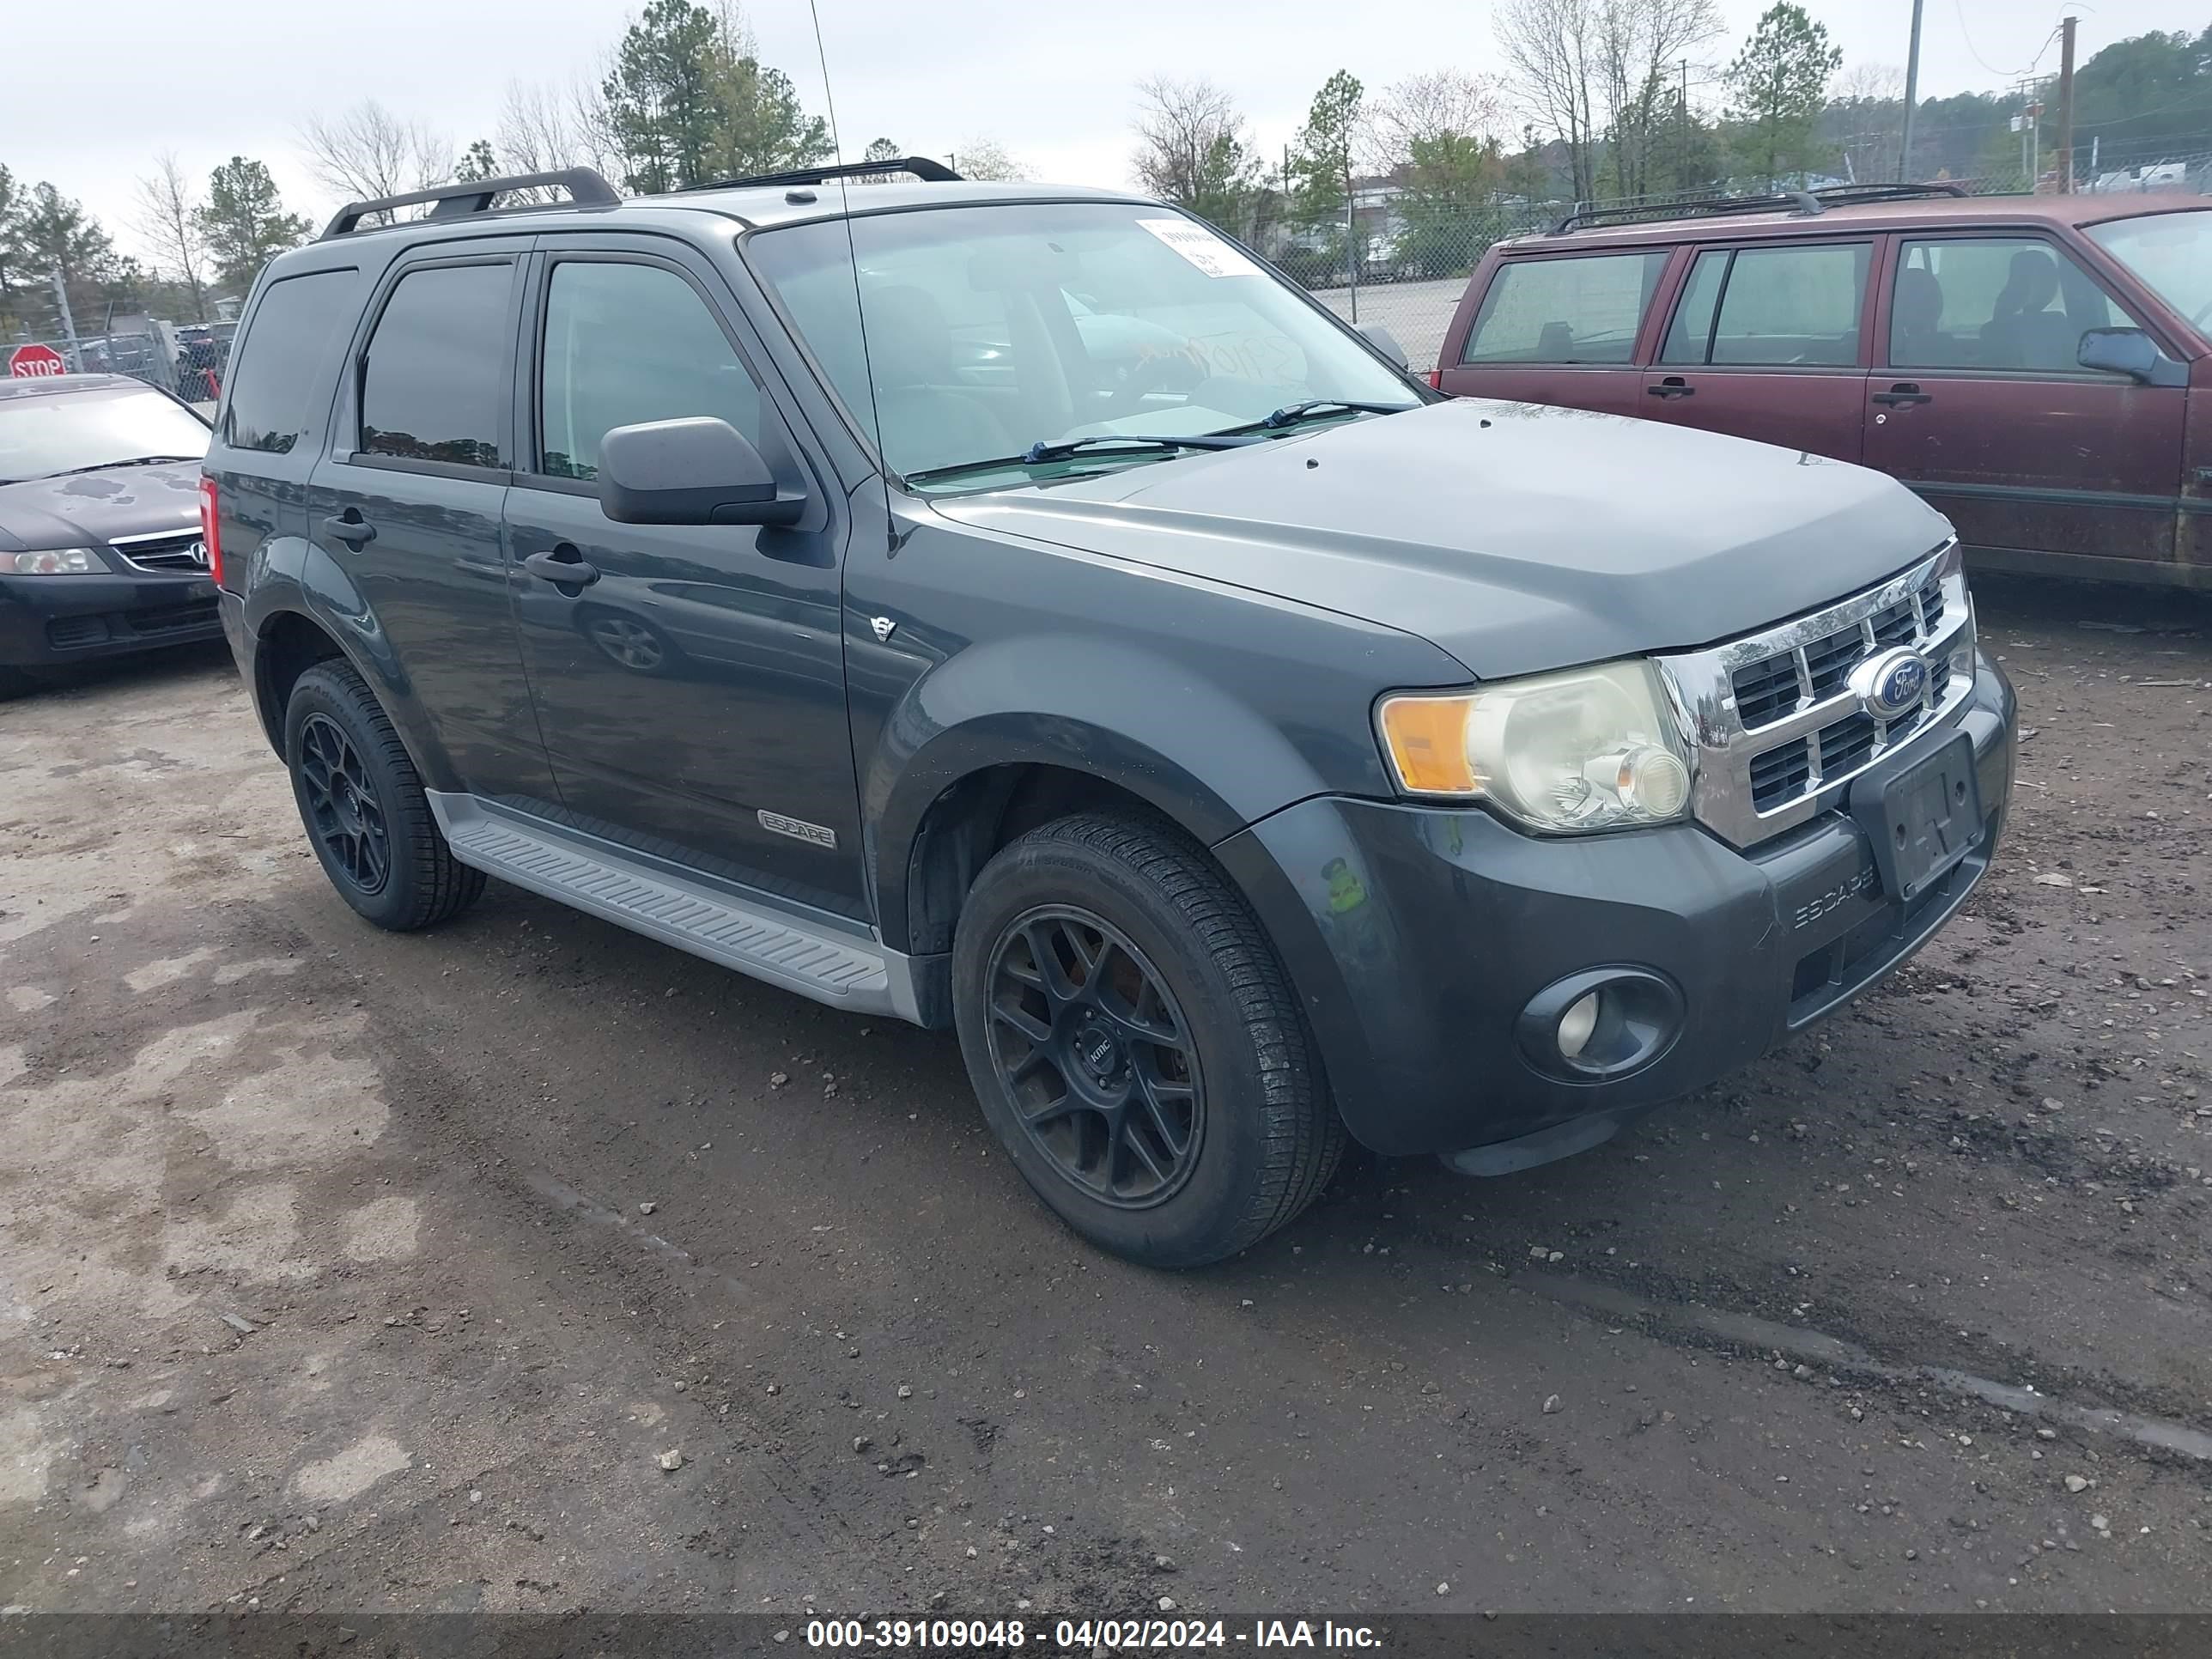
(1579,310)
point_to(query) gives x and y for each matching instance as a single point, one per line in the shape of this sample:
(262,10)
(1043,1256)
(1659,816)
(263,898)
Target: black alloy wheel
(343,811)
(1094,1052)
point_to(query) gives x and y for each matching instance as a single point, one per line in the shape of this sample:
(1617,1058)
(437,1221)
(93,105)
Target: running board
(838,968)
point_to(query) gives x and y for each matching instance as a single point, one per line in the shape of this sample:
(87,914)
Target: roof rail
(1804,203)
(929,172)
(464,197)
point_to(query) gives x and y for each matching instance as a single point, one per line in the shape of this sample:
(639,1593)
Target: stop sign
(30,362)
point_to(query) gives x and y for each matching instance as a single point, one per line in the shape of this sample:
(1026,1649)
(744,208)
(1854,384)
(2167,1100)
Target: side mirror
(697,471)
(2128,351)
(1384,342)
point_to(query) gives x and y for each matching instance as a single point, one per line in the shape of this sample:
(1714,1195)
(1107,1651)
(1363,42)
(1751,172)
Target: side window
(281,361)
(625,343)
(1690,336)
(1580,310)
(435,376)
(1771,307)
(1993,302)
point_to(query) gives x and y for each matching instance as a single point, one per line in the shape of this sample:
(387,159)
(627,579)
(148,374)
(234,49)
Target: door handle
(350,528)
(1905,392)
(569,572)
(1673,386)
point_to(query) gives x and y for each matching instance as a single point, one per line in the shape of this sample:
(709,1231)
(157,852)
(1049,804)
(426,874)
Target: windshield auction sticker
(1201,247)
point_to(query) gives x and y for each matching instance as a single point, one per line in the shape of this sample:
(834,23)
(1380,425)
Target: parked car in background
(2036,368)
(101,548)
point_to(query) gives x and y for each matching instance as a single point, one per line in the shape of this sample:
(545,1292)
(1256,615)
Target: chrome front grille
(166,550)
(1776,725)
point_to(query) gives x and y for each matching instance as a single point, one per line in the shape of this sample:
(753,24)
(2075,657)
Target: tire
(15,683)
(1123,903)
(362,804)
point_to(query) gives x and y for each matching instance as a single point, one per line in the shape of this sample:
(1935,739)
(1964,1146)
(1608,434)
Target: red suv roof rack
(1806,203)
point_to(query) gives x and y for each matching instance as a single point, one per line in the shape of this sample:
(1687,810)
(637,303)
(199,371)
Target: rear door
(691,691)
(1981,406)
(1766,340)
(1560,329)
(404,510)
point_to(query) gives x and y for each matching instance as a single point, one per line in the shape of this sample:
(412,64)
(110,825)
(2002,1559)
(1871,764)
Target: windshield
(991,330)
(71,431)
(2172,254)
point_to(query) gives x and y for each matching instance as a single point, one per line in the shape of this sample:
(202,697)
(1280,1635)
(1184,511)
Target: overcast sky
(93,95)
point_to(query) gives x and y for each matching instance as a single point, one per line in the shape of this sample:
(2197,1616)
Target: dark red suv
(2037,368)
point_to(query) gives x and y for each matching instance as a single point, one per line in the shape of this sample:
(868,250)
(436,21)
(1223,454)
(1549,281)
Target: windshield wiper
(135,460)
(1040,452)
(1291,414)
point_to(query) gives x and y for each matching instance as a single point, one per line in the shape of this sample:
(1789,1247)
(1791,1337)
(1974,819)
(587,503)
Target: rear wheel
(363,803)
(1135,1043)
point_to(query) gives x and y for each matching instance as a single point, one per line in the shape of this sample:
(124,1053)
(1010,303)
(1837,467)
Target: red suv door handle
(1905,392)
(1673,386)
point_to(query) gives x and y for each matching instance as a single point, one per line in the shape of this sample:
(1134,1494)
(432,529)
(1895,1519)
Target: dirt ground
(345,1272)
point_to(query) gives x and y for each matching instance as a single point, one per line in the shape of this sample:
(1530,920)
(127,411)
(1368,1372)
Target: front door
(691,691)
(1765,342)
(404,513)
(1982,407)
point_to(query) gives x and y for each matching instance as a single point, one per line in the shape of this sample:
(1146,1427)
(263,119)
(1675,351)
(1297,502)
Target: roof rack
(929,172)
(465,196)
(1804,203)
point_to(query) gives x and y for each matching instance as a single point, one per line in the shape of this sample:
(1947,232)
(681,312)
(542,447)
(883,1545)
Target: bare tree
(367,151)
(1192,150)
(168,218)
(1424,110)
(1645,48)
(1867,108)
(1554,47)
(1595,72)
(986,158)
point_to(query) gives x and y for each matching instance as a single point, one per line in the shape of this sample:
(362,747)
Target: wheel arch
(288,643)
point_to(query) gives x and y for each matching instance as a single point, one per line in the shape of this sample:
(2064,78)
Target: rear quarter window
(1584,309)
(284,356)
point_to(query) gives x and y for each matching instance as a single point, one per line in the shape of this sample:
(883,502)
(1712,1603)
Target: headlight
(52,562)
(1586,748)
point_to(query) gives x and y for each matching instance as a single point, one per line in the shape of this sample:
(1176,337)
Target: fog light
(1600,1023)
(1577,1025)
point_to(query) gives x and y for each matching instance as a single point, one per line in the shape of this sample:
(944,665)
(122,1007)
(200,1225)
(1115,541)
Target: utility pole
(1911,97)
(2066,100)
(69,323)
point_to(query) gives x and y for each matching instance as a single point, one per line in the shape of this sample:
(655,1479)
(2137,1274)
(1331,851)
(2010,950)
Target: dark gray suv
(1018,610)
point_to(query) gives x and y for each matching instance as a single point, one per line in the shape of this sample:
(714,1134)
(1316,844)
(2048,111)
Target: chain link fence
(187,360)
(1403,261)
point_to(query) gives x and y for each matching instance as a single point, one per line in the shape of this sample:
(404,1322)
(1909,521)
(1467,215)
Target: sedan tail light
(1436,379)
(211,528)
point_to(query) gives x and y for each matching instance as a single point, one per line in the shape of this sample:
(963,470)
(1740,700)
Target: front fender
(1107,710)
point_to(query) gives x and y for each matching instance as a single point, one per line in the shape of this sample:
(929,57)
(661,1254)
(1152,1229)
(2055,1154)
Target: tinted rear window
(282,360)
(1584,310)
(435,379)
(1772,306)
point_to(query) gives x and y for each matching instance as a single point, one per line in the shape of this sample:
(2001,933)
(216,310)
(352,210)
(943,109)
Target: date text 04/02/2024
(1086,1635)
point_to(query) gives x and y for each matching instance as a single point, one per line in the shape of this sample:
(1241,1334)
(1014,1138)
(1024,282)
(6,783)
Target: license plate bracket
(1922,819)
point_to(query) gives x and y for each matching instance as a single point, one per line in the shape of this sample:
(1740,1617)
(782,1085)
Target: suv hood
(89,509)
(1517,536)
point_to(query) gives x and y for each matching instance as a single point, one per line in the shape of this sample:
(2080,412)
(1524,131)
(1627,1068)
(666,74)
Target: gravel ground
(528,1264)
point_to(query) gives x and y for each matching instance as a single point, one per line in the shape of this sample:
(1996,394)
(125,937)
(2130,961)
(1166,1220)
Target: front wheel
(1135,1043)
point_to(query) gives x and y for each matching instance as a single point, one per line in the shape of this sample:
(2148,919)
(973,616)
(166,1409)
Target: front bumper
(1416,936)
(50,621)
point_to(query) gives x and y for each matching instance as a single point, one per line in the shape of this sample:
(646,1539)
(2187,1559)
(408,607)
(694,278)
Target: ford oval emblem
(1890,683)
